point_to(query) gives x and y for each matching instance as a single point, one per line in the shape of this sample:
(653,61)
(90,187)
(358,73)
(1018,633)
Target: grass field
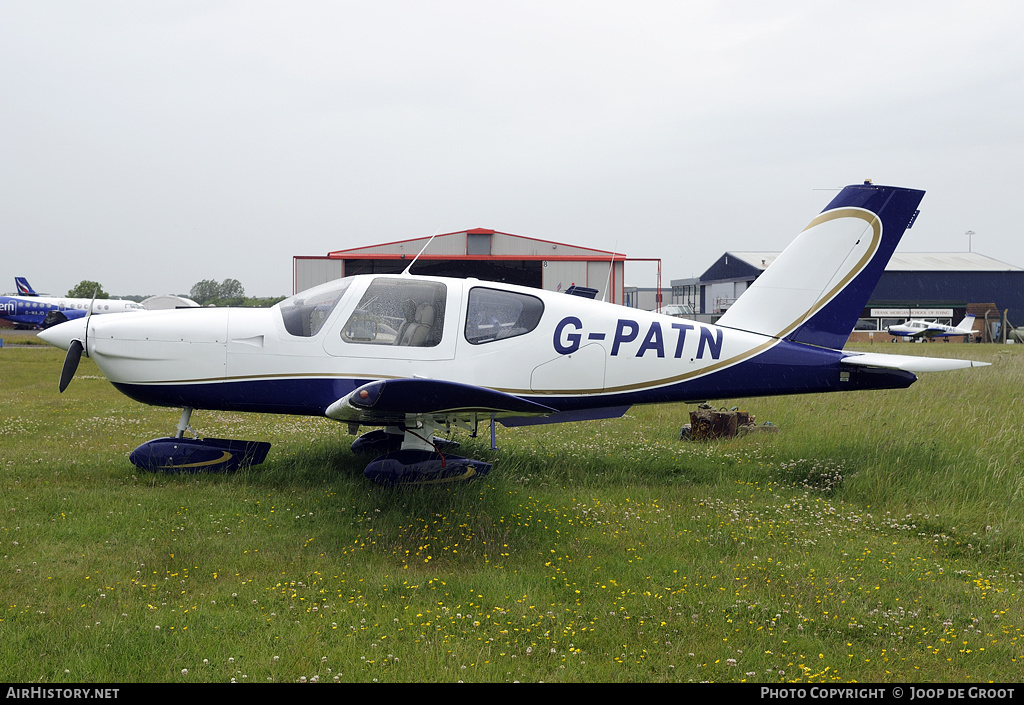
(877,538)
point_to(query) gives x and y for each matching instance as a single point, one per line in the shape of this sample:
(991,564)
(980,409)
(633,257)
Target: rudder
(24,288)
(815,290)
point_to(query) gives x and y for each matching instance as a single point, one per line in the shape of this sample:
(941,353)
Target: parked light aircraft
(931,329)
(414,353)
(30,310)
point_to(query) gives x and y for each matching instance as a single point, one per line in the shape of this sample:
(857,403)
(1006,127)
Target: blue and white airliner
(30,310)
(414,354)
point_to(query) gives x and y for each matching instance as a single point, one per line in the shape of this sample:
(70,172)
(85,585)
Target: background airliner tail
(815,291)
(24,288)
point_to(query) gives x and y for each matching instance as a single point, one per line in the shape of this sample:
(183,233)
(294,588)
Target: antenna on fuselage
(611,267)
(429,240)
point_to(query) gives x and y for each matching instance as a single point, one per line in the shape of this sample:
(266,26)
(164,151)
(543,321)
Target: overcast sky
(150,145)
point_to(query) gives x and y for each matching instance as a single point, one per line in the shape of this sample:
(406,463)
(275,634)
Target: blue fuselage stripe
(786,368)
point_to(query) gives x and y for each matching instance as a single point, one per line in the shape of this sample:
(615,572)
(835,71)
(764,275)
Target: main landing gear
(413,455)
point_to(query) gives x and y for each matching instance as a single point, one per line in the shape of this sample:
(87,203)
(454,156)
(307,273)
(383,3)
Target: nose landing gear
(196,455)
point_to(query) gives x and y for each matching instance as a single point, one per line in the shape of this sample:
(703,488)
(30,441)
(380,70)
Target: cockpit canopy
(305,313)
(410,312)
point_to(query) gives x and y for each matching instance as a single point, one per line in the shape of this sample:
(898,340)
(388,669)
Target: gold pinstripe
(870,219)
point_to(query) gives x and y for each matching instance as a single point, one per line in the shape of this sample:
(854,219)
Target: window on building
(478,244)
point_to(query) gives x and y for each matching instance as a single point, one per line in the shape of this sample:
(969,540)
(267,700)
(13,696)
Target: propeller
(71,361)
(75,351)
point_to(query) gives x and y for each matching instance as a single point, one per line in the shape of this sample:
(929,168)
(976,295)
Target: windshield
(407,312)
(305,313)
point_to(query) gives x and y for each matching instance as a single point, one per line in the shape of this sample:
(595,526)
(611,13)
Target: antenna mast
(429,240)
(611,267)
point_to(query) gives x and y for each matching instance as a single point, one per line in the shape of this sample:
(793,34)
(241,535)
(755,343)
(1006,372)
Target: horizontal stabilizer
(910,363)
(392,400)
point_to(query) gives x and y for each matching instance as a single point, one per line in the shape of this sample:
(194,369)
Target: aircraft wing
(392,400)
(909,363)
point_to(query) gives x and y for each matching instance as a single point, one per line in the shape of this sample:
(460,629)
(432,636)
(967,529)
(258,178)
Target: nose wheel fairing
(194,455)
(197,455)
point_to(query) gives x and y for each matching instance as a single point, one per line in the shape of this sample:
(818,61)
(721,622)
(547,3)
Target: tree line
(207,292)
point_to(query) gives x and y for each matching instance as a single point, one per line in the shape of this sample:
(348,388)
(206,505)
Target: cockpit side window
(498,315)
(305,313)
(404,312)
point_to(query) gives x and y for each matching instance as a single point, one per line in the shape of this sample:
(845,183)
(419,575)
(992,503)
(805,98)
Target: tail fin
(24,288)
(816,289)
(967,323)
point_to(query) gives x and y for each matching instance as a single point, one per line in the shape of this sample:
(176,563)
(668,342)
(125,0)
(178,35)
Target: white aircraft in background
(30,310)
(415,354)
(931,329)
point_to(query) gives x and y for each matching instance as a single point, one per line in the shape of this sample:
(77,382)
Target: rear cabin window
(403,312)
(498,315)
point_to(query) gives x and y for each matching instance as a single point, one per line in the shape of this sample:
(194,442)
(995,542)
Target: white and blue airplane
(916,328)
(30,310)
(33,311)
(414,354)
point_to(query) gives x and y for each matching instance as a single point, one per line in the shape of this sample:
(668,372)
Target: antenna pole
(431,239)
(611,266)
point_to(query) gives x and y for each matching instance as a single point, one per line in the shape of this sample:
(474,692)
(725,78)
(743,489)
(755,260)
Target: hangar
(163,302)
(938,286)
(480,253)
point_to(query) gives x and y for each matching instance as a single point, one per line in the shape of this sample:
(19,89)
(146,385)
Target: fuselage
(32,310)
(566,352)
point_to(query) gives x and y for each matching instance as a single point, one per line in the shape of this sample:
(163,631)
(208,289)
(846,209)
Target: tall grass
(876,538)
